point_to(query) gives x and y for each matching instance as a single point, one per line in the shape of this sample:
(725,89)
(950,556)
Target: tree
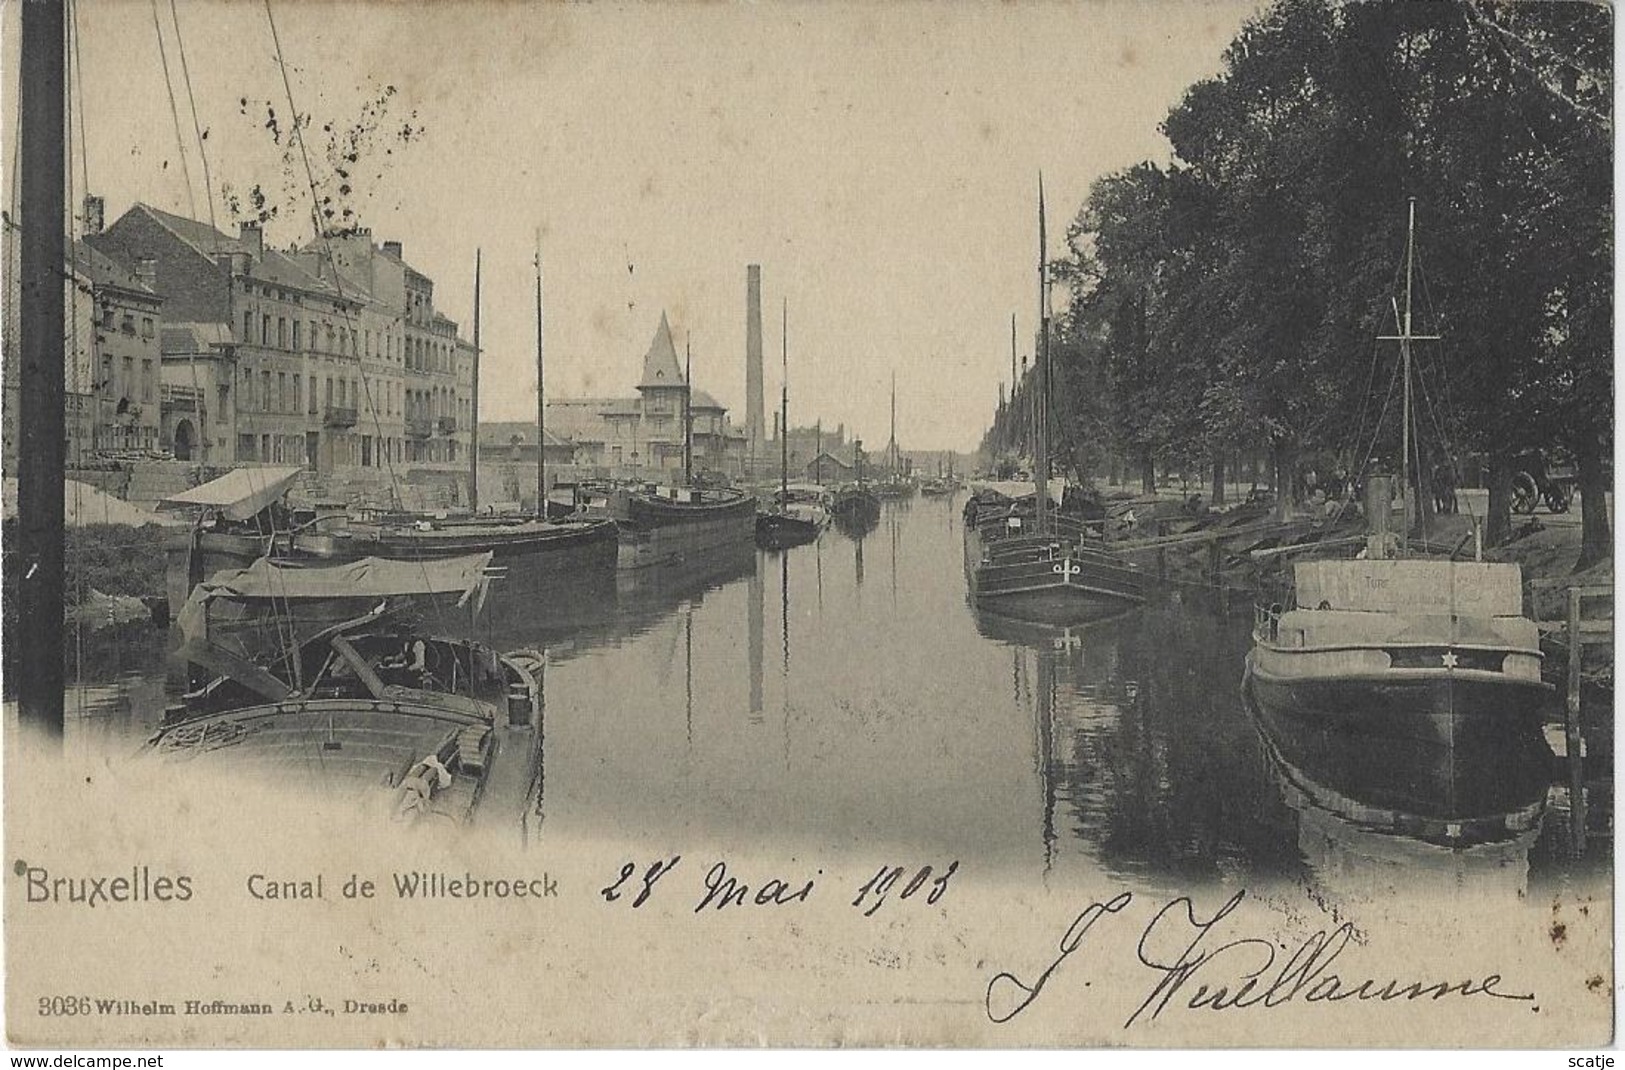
(1237,295)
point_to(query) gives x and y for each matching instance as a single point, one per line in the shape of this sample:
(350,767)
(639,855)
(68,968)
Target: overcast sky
(879,162)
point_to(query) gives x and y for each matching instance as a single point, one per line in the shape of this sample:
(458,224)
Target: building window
(248,327)
(108,317)
(313,336)
(127,325)
(282,393)
(313,409)
(296,339)
(225,400)
(146,326)
(265,329)
(245,447)
(146,380)
(281,333)
(298,394)
(265,391)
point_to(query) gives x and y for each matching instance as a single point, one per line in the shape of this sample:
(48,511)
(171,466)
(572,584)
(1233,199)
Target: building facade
(332,356)
(111,375)
(637,437)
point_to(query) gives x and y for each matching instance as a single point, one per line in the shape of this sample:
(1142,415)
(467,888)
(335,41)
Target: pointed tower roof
(660,366)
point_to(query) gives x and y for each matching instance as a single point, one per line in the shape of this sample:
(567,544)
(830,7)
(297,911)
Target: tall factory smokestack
(753,362)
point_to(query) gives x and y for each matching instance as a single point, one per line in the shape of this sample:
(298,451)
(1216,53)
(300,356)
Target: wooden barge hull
(1448,708)
(654,533)
(528,550)
(569,543)
(347,749)
(1031,581)
(1451,795)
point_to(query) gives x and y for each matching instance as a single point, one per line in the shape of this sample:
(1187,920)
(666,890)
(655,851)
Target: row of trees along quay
(1232,301)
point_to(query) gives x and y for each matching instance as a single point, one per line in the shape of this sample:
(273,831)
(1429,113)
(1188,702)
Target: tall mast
(1405,361)
(688,409)
(541,395)
(36,572)
(1405,338)
(891,446)
(1041,380)
(784,408)
(1012,356)
(474,401)
(818,452)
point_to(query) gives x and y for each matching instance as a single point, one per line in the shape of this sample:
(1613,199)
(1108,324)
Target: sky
(880,161)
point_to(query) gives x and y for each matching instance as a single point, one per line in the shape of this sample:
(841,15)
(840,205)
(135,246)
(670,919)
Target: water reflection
(1146,764)
(856,526)
(914,724)
(1376,816)
(573,614)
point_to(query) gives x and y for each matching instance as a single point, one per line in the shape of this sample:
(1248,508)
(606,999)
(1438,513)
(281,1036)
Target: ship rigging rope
(174,111)
(287,637)
(208,199)
(338,284)
(321,234)
(1445,407)
(1444,394)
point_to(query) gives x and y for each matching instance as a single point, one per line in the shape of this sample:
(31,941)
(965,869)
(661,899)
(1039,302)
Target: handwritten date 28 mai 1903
(723,889)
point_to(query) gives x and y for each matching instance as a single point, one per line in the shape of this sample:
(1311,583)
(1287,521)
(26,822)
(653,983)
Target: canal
(845,693)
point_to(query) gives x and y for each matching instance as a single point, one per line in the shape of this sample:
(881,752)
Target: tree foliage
(1233,299)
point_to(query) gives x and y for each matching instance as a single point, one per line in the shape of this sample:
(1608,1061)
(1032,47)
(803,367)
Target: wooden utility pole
(36,570)
(474,402)
(541,396)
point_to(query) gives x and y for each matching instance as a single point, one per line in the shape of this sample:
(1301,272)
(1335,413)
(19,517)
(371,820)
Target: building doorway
(183,440)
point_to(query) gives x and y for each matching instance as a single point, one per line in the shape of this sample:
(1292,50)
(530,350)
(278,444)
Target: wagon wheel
(1525,493)
(1558,497)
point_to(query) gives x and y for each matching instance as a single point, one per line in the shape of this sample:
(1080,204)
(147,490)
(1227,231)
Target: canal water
(846,693)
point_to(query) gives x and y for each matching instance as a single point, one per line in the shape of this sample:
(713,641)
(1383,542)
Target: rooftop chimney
(95,214)
(250,235)
(753,358)
(393,248)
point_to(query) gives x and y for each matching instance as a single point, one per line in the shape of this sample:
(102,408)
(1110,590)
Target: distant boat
(855,502)
(789,522)
(1435,651)
(895,485)
(893,488)
(667,525)
(1025,556)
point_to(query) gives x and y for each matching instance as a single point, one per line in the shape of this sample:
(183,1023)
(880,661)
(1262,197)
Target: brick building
(111,374)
